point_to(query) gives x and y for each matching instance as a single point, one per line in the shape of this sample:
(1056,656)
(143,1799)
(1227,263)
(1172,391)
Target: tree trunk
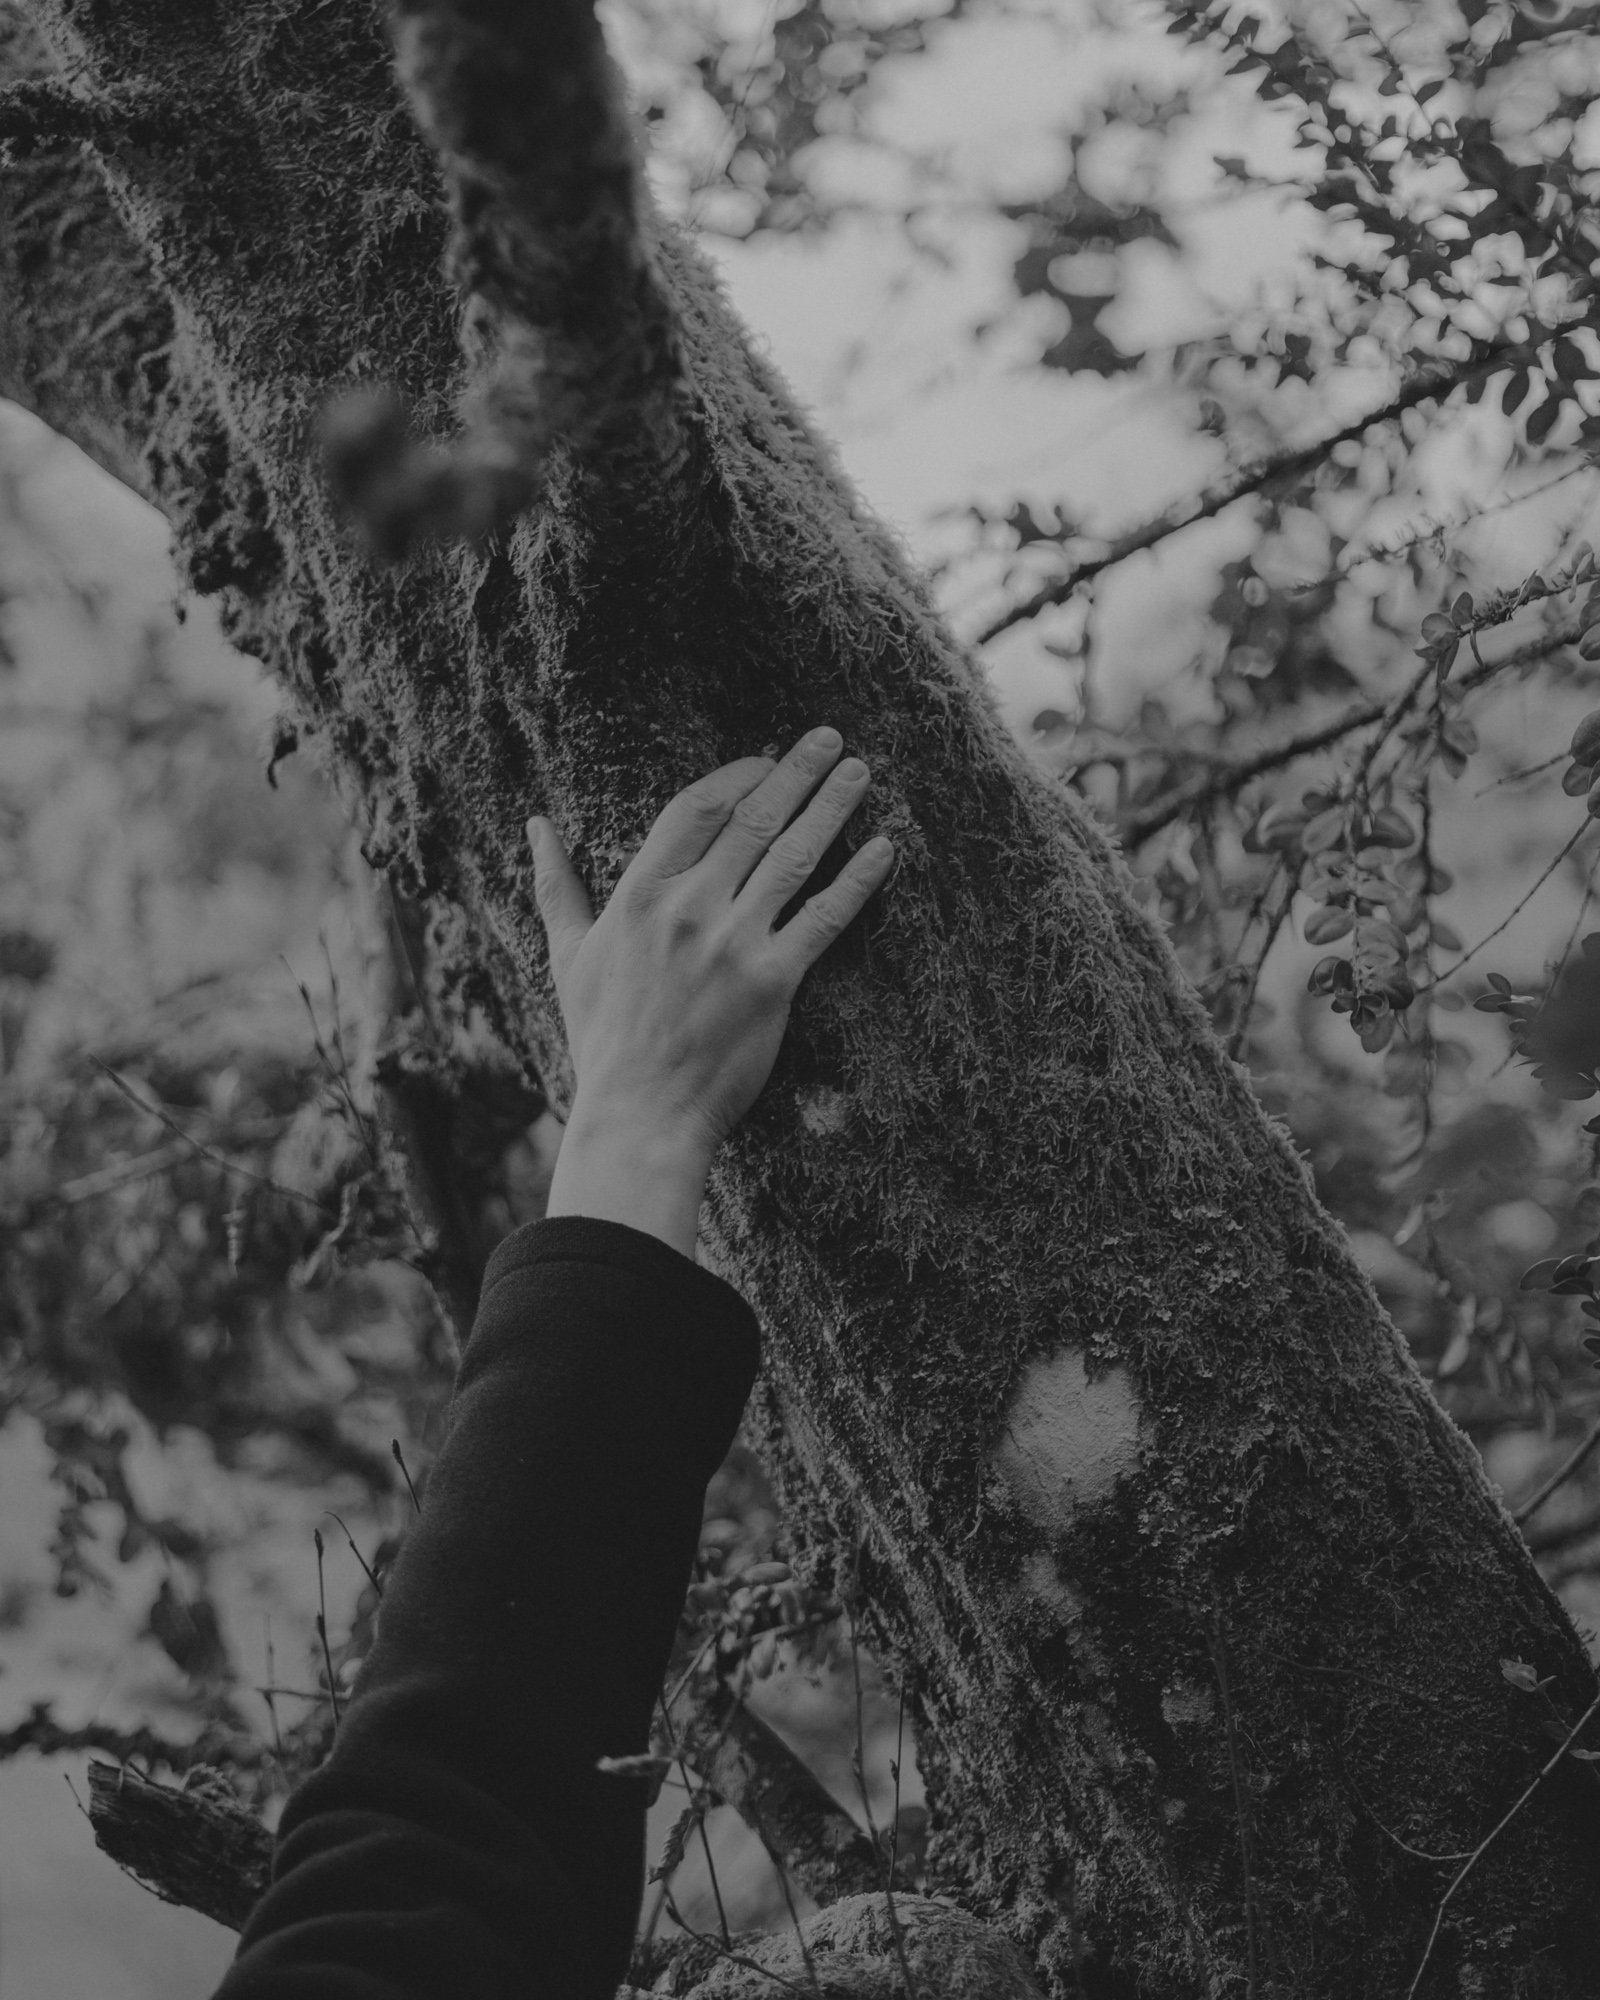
(1201,1598)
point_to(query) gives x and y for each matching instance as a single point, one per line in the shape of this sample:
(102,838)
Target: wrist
(618,1166)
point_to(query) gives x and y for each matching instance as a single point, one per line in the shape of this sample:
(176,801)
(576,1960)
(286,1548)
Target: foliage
(1315,761)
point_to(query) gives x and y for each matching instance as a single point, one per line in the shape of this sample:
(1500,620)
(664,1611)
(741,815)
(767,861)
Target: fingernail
(825,739)
(536,827)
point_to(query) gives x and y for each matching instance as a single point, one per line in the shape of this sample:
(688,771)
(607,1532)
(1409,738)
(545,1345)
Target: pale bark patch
(1067,1439)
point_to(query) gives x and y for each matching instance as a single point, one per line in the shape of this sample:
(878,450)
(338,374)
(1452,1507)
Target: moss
(1045,1146)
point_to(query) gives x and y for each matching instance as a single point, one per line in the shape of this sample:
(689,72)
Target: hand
(677,997)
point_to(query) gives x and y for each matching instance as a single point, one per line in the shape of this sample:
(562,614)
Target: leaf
(1537,1277)
(1454,1358)
(1323,973)
(1280,825)
(1569,361)
(1461,610)
(1566,1083)
(1543,420)
(1585,1756)
(1520,1675)
(1498,981)
(678,1839)
(1391,828)
(1328,923)
(1589,644)
(1570,1267)
(1446,936)
(1322,832)
(1490,1003)
(1437,626)
(1576,780)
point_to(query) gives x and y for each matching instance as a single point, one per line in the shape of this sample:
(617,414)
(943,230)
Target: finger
(687,824)
(822,917)
(761,816)
(791,860)
(562,899)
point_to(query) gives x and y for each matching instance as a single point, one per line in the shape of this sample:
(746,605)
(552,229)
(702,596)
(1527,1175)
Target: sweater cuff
(717,1317)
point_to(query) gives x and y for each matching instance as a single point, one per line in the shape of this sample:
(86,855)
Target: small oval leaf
(1327,924)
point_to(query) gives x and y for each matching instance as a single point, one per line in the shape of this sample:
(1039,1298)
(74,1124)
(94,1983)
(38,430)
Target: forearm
(459,1839)
(614,1164)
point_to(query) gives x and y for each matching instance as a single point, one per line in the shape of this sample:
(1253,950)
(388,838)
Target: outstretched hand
(677,996)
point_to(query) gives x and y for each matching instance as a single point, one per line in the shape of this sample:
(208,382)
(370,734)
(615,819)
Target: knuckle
(759,816)
(706,798)
(793,857)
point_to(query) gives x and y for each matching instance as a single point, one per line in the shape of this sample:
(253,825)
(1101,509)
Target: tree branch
(1139,824)
(42,1733)
(526,113)
(755,1771)
(1427,386)
(196,1846)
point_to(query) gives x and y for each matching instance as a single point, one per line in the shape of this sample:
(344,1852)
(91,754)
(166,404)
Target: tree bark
(194,1846)
(1202,1598)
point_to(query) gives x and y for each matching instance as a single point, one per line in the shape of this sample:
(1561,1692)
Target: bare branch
(754,1770)
(1215,783)
(1427,386)
(1559,1477)
(1472,1859)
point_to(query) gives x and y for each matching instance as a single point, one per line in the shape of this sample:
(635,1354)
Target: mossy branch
(40,115)
(803,1827)
(563,315)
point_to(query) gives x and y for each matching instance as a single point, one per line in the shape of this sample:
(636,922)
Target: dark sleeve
(458,1839)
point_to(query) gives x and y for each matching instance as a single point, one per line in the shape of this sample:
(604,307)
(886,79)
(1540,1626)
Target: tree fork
(1052,1316)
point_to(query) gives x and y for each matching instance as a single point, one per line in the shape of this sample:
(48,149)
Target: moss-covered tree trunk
(1203,1598)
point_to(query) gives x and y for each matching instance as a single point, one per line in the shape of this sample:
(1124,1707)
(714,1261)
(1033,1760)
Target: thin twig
(1219,1658)
(866,1803)
(690,1671)
(1559,1477)
(1241,1026)
(1472,1859)
(371,1575)
(899,1752)
(733,1957)
(1450,970)
(788,1898)
(322,1628)
(705,1838)
(394,1447)
(1425,387)
(88,1187)
(1226,777)
(207,1152)
(267,1693)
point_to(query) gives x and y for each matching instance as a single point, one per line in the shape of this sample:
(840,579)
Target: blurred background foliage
(1233,373)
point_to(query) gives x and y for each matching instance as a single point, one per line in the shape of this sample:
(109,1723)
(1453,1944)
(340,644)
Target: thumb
(562,899)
